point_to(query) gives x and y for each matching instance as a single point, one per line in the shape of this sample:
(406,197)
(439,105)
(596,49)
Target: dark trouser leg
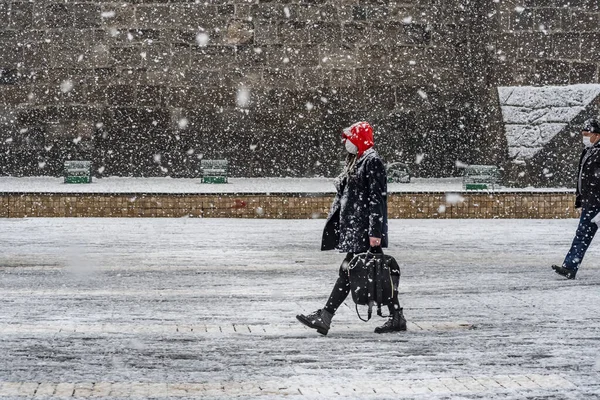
(395,306)
(583,238)
(342,287)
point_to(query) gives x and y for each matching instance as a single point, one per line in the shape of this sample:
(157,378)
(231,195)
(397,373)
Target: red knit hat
(361,135)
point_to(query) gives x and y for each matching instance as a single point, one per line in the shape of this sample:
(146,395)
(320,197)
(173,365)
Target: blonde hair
(350,167)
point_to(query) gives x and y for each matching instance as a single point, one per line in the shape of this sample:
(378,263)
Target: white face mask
(587,141)
(350,147)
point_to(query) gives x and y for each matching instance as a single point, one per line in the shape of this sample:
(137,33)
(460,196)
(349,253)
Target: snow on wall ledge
(534,115)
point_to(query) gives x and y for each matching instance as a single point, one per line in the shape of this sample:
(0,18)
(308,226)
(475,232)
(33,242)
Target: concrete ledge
(559,204)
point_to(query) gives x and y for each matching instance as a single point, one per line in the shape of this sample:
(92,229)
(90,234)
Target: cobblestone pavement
(192,308)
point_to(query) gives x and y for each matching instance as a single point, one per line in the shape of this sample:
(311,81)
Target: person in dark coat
(357,222)
(587,197)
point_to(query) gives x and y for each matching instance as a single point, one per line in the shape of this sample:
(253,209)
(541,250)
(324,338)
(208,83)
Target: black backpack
(372,278)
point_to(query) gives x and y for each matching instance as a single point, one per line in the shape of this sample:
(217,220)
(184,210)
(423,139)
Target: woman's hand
(374,242)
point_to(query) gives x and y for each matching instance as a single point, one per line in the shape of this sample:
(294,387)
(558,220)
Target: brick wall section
(285,206)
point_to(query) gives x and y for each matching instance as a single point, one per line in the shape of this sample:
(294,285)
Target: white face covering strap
(350,147)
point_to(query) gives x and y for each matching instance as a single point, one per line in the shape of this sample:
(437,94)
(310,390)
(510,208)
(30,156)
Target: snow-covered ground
(205,308)
(235,185)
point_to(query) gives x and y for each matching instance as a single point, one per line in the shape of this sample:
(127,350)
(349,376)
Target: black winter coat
(588,177)
(359,210)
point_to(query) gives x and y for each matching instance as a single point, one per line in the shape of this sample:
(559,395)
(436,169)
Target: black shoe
(396,323)
(319,320)
(566,272)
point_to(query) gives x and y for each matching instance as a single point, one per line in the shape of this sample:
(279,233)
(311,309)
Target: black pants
(341,289)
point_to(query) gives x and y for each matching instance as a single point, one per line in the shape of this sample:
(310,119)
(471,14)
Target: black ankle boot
(319,320)
(395,323)
(566,272)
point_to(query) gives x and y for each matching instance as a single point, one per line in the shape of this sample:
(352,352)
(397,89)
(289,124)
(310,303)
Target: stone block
(547,19)
(590,46)
(566,46)
(383,98)
(86,16)
(154,16)
(248,78)
(377,12)
(239,32)
(180,54)
(294,32)
(338,57)
(279,77)
(266,33)
(120,95)
(127,56)
(14,95)
(156,54)
(590,5)
(21,16)
(538,3)
(417,34)
(522,20)
(12,55)
(5,11)
(252,56)
(377,56)
(268,11)
(190,77)
(507,45)
(31,116)
(356,33)
(266,101)
(212,57)
(147,36)
(376,77)
(530,45)
(582,21)
(550,72)
(36,56)
(196,98)
(118,15)
(345,13)
(149,96)
(583,73)
(325,32)
(58,15)
(336,78)
(316,13)
(293,56)
(309,78)
(394,33)
(206,16)
(359,13)
(243,11)
(178,36)
(96,94)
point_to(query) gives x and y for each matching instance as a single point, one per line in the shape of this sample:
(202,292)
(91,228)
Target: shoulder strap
(369,312)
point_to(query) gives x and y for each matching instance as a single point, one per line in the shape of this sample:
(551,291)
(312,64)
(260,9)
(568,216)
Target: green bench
(214,171)
(398,172)
(481,177)
(77,172)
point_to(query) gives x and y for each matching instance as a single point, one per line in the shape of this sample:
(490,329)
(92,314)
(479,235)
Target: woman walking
(357,222)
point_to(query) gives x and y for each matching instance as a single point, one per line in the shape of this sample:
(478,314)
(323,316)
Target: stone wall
(147,88)
(547,42)
(287,206)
